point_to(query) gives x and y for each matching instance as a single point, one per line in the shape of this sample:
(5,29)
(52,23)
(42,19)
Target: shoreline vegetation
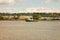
(30,17)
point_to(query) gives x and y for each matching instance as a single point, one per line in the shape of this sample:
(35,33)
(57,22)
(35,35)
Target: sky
(29,5)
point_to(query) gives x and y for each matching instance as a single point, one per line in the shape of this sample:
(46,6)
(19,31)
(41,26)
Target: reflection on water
(17,30)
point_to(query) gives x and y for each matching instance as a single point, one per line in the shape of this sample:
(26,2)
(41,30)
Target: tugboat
(29,20)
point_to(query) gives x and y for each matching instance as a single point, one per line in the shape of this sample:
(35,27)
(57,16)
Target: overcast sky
(23,5)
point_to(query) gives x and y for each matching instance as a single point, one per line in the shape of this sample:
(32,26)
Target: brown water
(17,30)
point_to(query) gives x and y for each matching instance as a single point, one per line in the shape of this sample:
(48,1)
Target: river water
(19,30)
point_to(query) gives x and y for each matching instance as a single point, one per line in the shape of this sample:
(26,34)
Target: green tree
(36,17)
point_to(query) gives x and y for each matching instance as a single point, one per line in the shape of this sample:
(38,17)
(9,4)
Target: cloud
(30,10)
(47,1)
(21,0)
(33,9)
(3,2)
(57,0)
(41,9)
(7,1)
(8,10)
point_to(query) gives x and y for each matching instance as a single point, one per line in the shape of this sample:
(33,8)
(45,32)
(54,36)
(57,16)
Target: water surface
(18,30)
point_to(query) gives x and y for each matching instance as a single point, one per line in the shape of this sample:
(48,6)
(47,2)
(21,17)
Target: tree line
(36,16)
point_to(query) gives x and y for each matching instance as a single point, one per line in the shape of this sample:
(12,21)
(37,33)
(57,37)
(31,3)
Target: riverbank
(25,20)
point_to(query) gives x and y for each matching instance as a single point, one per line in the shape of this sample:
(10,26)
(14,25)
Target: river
(19,30)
